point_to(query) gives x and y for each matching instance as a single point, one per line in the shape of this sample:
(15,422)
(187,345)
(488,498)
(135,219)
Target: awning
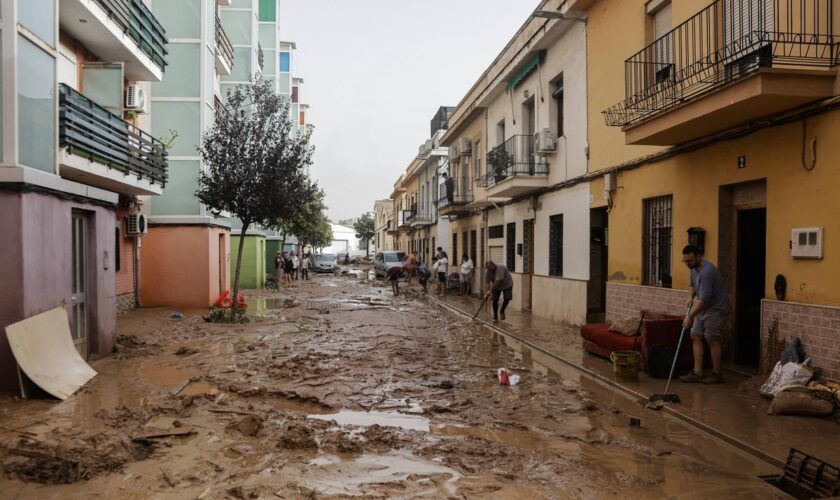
(529,66)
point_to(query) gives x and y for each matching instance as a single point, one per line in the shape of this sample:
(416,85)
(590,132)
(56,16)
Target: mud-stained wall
(560,299)
(625,301)
(817,326)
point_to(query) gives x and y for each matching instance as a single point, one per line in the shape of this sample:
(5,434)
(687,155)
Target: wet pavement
(337,389)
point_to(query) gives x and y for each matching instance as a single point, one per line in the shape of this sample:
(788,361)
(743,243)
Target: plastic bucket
(626,365)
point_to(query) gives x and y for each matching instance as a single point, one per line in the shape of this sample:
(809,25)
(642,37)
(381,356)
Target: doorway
(527,264)
(598,257)
(79,272)
(749,284)
(222,263)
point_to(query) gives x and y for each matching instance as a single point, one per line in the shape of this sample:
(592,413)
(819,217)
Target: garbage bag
(793,353)
(802,401)
(786,375)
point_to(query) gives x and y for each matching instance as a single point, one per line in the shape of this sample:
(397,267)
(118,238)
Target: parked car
(383,261)
(324,263)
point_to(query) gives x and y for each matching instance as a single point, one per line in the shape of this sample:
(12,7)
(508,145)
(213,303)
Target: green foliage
(365,230)
(500,161)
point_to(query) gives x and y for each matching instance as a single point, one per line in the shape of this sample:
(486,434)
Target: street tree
(256,165)
(365,230)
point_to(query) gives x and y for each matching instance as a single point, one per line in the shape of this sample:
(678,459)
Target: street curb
(626,391)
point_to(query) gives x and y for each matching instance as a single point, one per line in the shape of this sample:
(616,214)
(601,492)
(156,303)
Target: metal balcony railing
(260,56)
(461,194)
(404,217)
(513,158)
(423,214)
(87,129)
(223,44)
(138,22)
(724,42)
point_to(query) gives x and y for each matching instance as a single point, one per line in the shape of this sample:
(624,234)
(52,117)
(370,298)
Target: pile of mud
(129,346)
(83,459)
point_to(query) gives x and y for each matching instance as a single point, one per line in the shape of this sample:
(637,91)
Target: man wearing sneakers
(709,314)
(499,283)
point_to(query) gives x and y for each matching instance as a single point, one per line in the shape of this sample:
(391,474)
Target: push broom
(669,397)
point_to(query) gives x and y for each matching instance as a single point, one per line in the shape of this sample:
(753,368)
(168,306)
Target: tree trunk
(367,249)
(235,298)
(283,243)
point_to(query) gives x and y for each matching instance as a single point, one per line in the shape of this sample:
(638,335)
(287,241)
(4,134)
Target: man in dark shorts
(288,268)
(709,314)
(393,277)
(424,274)
(499,284)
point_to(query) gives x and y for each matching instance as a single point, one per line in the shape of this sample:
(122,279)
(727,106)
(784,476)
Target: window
(117,246)
(496,232)
(511,246)
(658,235)
(465,241)
(557,94)
(473,248)
(38,16)
(454,257)
(555,245)
(285,62)
(477,154)
(36,106)
(500,132)
(662,26)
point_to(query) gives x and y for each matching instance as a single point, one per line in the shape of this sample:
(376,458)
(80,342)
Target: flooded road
(337,389)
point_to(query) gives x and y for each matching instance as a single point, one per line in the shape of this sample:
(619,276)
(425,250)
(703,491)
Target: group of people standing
(499,279)
(291,267)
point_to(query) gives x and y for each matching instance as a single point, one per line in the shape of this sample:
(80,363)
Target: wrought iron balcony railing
(260,56)
(513,158)
(87,129)
(724,42)
(404,218)
(138,22)
(461,193)
(223,44)
(423,214)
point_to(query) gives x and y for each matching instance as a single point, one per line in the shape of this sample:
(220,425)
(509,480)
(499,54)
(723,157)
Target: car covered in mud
(383,261)
(324,263)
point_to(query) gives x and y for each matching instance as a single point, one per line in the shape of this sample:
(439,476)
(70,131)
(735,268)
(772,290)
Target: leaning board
(44,350)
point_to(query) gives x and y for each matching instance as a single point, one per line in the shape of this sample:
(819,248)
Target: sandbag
(801,401)
(790,374)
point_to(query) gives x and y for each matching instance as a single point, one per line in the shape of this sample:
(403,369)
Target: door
(597,286)
(527,263)
(103,83)
(79,270)
(749,284)
(222,262)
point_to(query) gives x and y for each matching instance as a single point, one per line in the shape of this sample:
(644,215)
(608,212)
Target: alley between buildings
(336,388)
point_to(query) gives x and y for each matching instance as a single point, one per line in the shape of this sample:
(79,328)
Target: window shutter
(662,25)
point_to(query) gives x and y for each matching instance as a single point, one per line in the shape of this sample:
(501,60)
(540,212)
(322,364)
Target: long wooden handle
(480,307)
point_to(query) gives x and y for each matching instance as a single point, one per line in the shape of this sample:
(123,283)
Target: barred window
(555,245)
(511,246)
(496,232)
(658,241)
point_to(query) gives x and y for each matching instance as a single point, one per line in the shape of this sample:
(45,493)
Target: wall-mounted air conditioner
(135,225)
(464,147)
(546,141)
(135,98)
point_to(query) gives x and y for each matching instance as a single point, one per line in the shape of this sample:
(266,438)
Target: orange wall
(124,278)
(180,266)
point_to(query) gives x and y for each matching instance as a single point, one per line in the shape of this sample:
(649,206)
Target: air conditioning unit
(464,147)
(135,225)
(135,98)
(806,243)
(546,141)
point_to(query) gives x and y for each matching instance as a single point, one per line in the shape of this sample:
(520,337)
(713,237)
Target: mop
(666,396)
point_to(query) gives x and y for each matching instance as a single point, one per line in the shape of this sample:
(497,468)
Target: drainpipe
(136,246)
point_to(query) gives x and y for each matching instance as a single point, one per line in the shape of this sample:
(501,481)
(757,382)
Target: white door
(78,298)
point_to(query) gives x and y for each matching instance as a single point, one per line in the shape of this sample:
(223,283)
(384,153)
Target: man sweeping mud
(393,277)
(708,316)
(499,283)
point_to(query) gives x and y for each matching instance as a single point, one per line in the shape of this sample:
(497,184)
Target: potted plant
(500,162)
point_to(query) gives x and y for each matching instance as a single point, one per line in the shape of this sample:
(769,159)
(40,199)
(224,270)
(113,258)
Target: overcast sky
(376,71)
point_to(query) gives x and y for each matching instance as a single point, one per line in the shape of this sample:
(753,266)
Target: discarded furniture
(656,329)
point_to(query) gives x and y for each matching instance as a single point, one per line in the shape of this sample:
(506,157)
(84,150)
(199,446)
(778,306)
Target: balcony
(404,218)
(224,50)
(731,63)
(100,149)
(456,203)
(118,30)
(260,57)
(423,215)
(514,169)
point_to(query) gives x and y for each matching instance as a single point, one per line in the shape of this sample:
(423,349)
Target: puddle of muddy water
(165,376)
(383,418)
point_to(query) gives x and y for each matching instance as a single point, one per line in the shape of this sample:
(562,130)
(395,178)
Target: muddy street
(337,389)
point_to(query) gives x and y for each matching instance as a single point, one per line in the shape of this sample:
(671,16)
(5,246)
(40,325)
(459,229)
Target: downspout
(136,272)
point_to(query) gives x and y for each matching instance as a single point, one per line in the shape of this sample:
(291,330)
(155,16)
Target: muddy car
(324,263)
(385,261)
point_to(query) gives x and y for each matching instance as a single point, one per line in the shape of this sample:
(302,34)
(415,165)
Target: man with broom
(499,283)
(708,316)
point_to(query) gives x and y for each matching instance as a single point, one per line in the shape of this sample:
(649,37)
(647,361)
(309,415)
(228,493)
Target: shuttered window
(663,47)
(511,246)
(555,245)
(747,27)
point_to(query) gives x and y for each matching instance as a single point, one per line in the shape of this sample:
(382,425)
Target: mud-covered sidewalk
(334,389)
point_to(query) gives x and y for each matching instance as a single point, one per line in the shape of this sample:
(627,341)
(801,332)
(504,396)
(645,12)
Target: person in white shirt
(442,268)
(304,268)
(467,268)
(295,265)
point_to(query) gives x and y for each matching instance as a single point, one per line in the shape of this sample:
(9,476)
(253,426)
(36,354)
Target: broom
(666,396)
(484,301)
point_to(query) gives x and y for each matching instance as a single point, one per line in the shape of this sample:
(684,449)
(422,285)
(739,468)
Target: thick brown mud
(338,389)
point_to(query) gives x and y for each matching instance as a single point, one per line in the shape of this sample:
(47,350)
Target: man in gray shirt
(499,283)
(708,316)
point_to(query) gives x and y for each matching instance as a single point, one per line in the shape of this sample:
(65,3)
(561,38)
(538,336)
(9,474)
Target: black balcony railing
(404,218)
(87,129)
(513,158)
(423,214)
(724,42)
(260,56)
(461,192)
(138,22)
(223,44)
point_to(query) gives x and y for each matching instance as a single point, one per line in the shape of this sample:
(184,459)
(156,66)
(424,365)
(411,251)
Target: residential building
(718,118)
(76,160)
(383,218)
